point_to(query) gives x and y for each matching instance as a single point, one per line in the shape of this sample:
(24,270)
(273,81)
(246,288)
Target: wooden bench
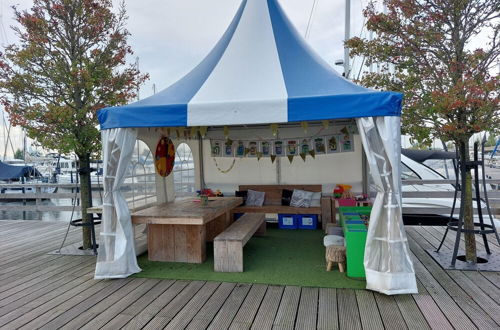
(228,245)
(272,202)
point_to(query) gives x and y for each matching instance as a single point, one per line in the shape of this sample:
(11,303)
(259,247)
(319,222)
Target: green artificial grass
(282,257)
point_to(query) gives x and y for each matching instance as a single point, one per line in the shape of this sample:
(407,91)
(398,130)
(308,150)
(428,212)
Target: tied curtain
(388,265)
(116,256)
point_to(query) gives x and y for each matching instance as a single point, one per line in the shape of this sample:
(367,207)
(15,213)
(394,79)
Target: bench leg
(262,229)
(228,256)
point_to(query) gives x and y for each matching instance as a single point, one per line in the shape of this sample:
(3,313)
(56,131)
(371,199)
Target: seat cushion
(333,240)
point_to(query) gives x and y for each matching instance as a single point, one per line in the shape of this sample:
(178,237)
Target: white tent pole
(347,36)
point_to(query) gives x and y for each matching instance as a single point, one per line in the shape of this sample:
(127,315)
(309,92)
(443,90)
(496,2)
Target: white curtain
(388,265)
(116,258)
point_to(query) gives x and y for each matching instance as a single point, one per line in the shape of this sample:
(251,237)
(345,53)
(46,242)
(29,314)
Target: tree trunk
(85,199)
(466,200)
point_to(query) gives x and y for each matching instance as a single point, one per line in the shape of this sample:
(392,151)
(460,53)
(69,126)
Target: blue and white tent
(262,72)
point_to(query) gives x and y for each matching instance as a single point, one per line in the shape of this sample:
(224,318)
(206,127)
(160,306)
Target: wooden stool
(335,253)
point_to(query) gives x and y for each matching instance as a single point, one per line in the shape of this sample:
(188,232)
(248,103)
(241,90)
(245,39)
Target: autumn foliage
(69,62)
(425,49)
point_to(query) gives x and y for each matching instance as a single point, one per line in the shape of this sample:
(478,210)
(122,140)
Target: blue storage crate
(287,221)
(307,221)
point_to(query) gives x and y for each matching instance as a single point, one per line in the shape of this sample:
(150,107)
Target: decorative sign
(319,146)
(164,156)
(300,146)
(266,147)
(292,148)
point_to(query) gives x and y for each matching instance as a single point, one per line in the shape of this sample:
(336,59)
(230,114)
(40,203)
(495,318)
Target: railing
(34,201)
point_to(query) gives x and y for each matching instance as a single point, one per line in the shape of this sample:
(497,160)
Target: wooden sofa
(272,202)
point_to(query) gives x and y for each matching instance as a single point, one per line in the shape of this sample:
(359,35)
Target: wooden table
(178,231)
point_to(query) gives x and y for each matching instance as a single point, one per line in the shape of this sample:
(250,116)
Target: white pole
(347,36)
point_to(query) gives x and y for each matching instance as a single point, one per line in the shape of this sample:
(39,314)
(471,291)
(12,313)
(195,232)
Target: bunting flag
(290,158)
(303,156)
(305,126)
(226,132)
(247,151)
(193,132)
(273,158)
(274,129)
(259,155)
(203,131)
(178,132)
(168,131)
(312,153)
(326,123)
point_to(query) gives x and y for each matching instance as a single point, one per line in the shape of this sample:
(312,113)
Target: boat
(18,175)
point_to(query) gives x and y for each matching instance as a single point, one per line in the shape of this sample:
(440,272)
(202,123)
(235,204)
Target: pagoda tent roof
(261,71)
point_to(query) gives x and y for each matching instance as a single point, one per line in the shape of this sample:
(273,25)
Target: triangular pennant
(247,151)
(259,155)
(226,132)
(274,129)
(325,123)
(305,126)
(303,156)
(178,132)
(203,131)
(290,158)
(168,131)
(273,158)
(344,130)
(312,153)
(192,133)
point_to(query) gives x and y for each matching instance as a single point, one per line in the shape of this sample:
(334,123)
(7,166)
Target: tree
(492,141)
(423,48)
(69,62)
(19,154)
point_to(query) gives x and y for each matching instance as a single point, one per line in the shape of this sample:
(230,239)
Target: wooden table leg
(179,243)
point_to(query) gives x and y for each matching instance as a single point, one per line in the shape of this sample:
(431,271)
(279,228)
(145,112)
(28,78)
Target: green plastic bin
(355,238)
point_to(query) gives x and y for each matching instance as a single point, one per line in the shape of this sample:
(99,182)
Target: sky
(170,37)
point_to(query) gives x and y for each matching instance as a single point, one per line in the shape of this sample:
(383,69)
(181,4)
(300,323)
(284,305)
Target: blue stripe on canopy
(315,90)
(169,107)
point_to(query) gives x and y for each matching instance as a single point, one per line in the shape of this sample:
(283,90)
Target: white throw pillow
(316,199)
(301,198)
(255,198)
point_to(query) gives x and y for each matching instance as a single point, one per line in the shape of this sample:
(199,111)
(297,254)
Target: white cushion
(316,199)
(333,240)
(255,198)
(301,198)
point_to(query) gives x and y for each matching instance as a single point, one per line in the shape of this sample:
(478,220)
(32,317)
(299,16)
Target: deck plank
(287,311)
(246,314)
(349,317)
(328,317)
(230,308)
(368,310)
(269,307)
(308,309)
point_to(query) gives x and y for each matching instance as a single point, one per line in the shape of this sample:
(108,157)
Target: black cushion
(243,194)
(286,197)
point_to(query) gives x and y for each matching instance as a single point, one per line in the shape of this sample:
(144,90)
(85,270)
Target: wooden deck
(44,291)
